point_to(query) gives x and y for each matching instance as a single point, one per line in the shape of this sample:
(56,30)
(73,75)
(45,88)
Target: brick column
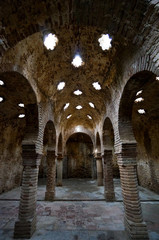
(59,163)
(108,176)
(51,176)
(135,227)
(26,224)
(99,169)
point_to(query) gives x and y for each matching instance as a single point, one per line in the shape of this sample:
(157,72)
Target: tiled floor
(79,213)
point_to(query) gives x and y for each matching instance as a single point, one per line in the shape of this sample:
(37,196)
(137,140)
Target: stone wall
(79,159)
(10,154)
(148,154)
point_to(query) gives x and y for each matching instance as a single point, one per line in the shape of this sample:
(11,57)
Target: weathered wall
(10,154)
(146,134)
(79,159)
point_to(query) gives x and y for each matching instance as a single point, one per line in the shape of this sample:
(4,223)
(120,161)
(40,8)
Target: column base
(49,196)
(109,196)
(136,231)
(24,229)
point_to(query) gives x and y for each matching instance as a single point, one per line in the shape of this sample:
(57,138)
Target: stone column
(135,227)
(26,224)
(59,163)
(108,176)
(99,169)
(93,167)
(51,176)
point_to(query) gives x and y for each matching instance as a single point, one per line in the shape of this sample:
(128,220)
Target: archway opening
(79,148)
(108,144)
(139,114)
(18,124)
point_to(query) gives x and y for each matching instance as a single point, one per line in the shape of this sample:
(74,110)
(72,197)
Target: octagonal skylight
(89,116)
(141,111)
(50,41)
(105,42)
(1,99)
(69,116)
(79,107)
(66,106)
(77,61)
(21,115)
(21,105)
(91,105)
(60,86)
(1,83)
(96,85)
(77,92)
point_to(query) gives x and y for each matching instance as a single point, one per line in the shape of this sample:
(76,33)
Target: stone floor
(78,213)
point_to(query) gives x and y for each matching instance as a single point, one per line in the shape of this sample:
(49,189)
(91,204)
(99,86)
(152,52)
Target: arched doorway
(79,148)
(18,117)
(110,166)
(140,124)
(137,121)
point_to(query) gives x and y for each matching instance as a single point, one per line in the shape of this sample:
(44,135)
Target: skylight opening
(77,92)
(140,99)
(61,86)
(78,129)
(77,61)
(96,85)
(66,106)
(141,111)
(157,78)
(1,99)
(89,116)
(79,107)
(105,42)
(50,41)
(21,105)
(1,83)
(69,116)
(139,92)
(21,116)
(91,105)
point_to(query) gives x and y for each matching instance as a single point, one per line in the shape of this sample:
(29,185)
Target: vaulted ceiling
(78,25)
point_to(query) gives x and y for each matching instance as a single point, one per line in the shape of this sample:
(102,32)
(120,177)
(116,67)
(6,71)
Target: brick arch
(18,88)
(12,67)
(133,85)
(108,134)
(83,130)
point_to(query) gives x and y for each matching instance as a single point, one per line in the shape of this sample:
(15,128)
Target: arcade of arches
(77,130)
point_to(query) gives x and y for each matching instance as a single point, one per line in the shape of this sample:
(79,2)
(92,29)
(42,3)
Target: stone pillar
(59,163)
(51,176)
(99,169)
(26,224)
(108,176)
(135,227)
(93,167)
